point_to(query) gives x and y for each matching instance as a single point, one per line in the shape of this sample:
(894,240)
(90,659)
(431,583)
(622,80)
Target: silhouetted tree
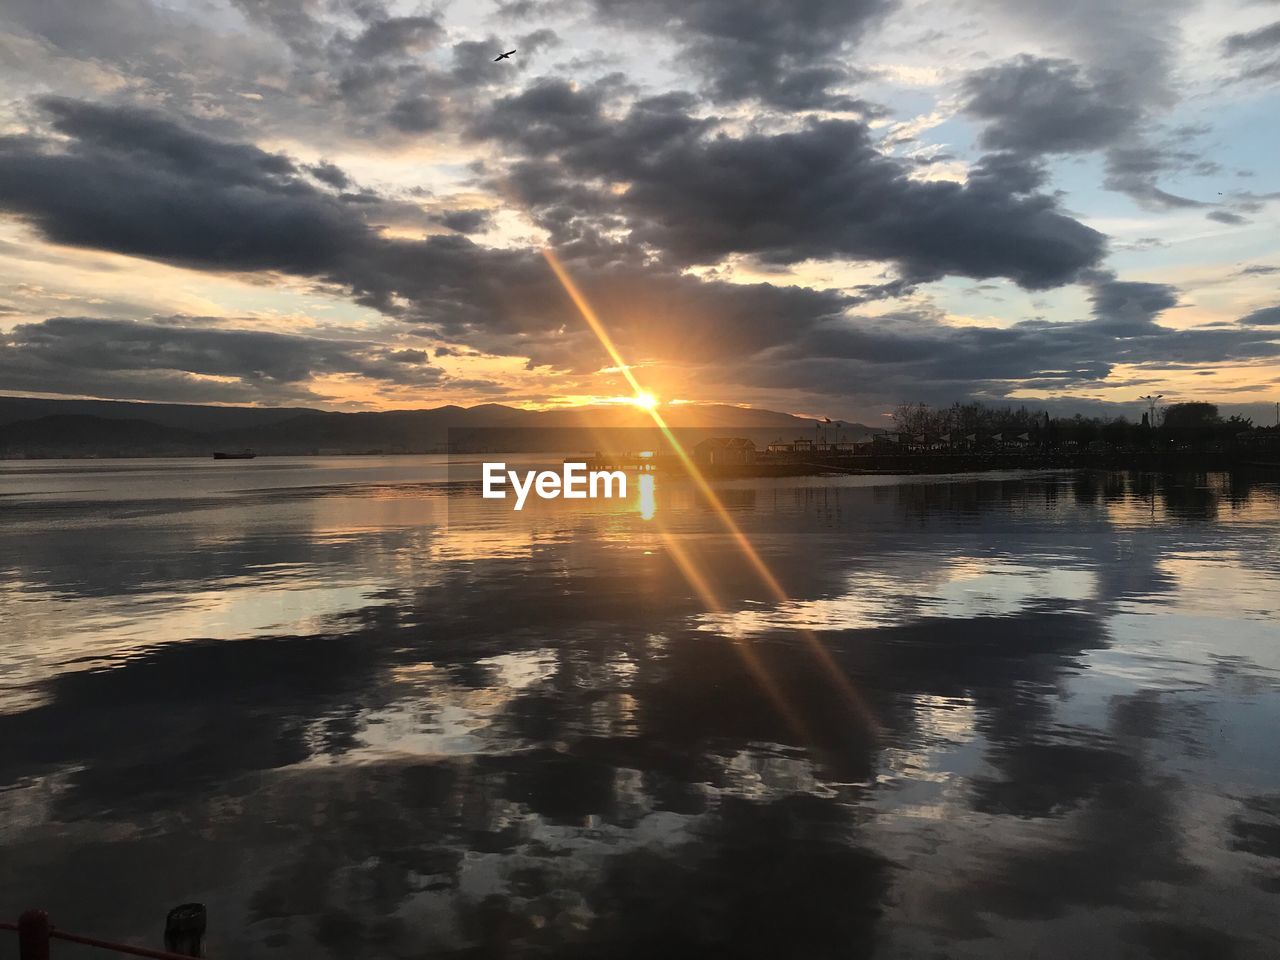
(1195,415)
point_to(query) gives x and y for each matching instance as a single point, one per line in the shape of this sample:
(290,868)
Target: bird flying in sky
(503,56)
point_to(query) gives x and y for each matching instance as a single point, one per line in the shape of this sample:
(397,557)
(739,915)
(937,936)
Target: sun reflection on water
(645,501)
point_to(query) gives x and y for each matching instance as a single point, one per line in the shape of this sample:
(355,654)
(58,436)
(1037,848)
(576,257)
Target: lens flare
(837,676)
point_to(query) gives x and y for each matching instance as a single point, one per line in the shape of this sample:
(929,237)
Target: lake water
(361,713)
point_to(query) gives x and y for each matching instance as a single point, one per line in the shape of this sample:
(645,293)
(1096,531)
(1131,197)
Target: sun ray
(815,644)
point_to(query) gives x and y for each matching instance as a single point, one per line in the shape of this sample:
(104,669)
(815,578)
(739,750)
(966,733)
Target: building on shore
(801,448)
(1259,441)
(723,451)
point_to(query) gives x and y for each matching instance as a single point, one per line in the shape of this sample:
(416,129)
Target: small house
(721,451)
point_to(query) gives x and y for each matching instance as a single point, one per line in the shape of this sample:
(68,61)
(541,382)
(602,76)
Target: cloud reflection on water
(530,736)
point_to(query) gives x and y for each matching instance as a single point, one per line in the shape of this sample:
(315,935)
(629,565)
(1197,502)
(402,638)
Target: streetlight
(1151,400)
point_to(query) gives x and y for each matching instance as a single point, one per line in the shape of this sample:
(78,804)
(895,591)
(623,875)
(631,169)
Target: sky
(825,207)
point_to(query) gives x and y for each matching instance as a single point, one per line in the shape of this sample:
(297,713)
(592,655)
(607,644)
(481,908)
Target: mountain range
(33,427)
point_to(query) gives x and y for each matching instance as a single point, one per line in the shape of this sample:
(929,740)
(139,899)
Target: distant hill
(67,428)
(96,436)
(185,416)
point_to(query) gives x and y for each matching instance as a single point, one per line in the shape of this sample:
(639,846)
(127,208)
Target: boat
(242,455)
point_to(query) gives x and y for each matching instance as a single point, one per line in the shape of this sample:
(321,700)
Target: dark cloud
(631,188)
(479,385)
(465,221)
(172,359)
(1109,95)
(541,39)
(1262,39)
(397,37)
(531,9)
(1130,47)
(294,21)
(146,137)
(631,198)
(819,191)
(409,356)
(1037,105)
(917,356)
(330,174)
(1267,316)
(172,200)
(783,54)
(1250,202)
(155,189)
(1257,52)
(1130,308)
(416,115)
(344,33)
(312,70)
(695,194)
(1134,168)
(472,62)
(1010,172)
(156,50)
(1225,216)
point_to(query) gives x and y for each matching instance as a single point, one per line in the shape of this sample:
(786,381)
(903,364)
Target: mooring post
(33,935)
(184,930)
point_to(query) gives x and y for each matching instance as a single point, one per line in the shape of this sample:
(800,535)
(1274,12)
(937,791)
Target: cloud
(1039,105)
(1134,168)
(332,175)
(130,181)
(753,157)
(1263,39)
(1035,106)
(918,356)
(693,193)
(134,182)
(1267,316)
(1131,47)
(397,37)
(182,359)
(786,55)
(1259,50)
(1129,308)
(1225,216)
(1097,99)
(416,115)
(310,71)
(537,40)
(465,221)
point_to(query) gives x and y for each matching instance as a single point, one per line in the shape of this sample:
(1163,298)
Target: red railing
(35,933)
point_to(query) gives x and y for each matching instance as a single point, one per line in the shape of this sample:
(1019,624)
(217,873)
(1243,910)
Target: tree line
(1191,424)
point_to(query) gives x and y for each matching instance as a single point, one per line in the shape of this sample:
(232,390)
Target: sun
(644,400)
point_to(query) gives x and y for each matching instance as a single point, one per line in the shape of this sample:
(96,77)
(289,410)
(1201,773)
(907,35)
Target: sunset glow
(983,214)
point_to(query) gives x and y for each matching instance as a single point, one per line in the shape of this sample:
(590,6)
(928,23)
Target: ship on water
(245,454)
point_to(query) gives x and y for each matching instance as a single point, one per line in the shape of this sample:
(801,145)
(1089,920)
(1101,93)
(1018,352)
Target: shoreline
(909,464)
(854,465)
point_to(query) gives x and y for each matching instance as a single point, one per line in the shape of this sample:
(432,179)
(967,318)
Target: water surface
(359,712)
